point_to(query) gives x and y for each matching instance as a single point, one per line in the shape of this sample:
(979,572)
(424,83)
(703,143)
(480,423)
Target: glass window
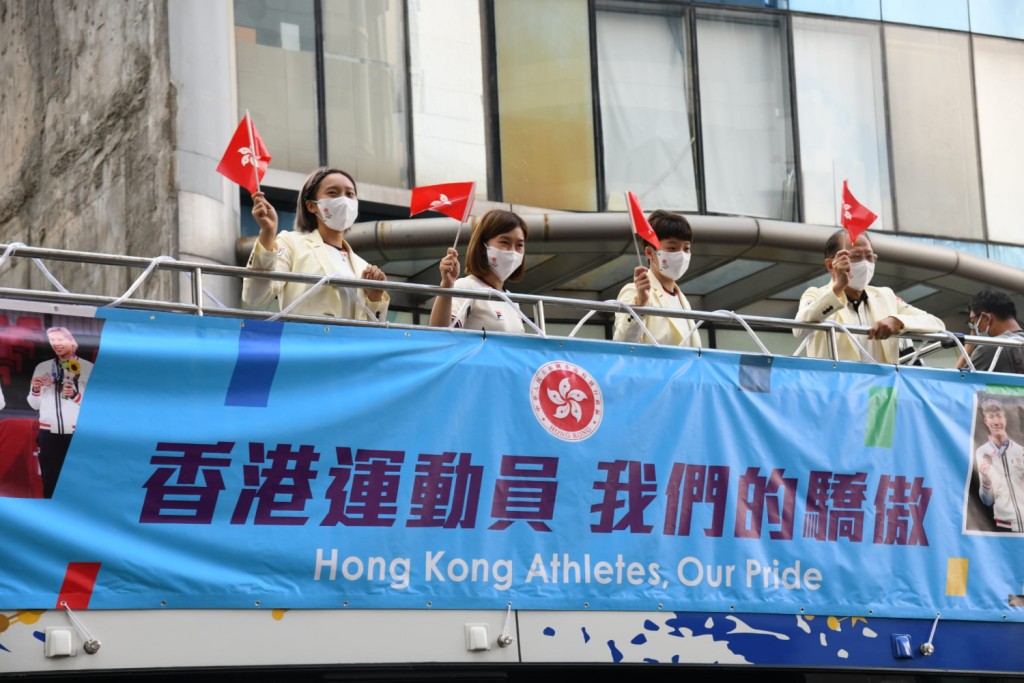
(545,103)
(934,153)
(446,74)
(858,9)
(951,14)
(756,4)
(364,79)
(275,48)
(999,88)
(840,97)
(646,117)
(745,115)
(998,17)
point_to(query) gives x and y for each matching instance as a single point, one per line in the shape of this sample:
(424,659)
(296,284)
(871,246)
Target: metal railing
(198,305)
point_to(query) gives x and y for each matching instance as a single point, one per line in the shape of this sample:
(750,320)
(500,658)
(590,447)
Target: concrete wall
(87,115)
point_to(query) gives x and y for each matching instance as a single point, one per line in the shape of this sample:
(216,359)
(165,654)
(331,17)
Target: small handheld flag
(639,221)
(246,159)
(452,199)
(856,217)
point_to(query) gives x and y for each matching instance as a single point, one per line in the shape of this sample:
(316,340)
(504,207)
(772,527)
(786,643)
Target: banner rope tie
(91,645)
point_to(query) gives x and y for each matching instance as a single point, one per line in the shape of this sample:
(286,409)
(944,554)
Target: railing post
(197,289)
(833,346)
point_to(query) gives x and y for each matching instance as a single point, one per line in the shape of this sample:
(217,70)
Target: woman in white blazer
(326,209)
(656,286)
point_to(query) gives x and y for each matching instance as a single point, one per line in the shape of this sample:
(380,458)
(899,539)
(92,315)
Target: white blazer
(668,331)
(305,252)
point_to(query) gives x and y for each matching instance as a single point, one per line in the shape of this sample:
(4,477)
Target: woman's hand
(265,215)
(449,267)
(642,281)
(374,273)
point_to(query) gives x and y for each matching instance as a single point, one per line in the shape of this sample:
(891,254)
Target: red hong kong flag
(451,199)
(856,217)
(246,159)
(639,221)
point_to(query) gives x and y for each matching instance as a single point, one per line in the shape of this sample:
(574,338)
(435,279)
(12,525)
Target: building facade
(722,110)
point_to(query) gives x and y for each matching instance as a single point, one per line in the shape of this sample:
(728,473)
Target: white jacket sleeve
(627,328)
(260,293)
(816,305)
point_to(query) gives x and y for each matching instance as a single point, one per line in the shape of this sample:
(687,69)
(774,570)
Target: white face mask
(339,213)
(975,327)
(673,264)
(503,262)
(860,274)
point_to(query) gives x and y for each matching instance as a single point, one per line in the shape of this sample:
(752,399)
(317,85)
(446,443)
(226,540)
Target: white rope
(841,327)
(931,635)
(91,644)
(693,331)
(302,297)
(584,319)
(211,297)
(853,338)
(963,351)
(515,306)
(504,640)
(138,281)
(11,248)
(637,318)
(746,326)
(49,276)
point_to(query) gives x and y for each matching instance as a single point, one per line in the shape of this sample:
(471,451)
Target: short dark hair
(838,239)
(991,406)
(305,220)
(999,304)
(493,223)
(668,225)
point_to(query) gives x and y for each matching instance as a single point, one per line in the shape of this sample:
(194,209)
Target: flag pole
(639,258)
(255,154)
(456,243)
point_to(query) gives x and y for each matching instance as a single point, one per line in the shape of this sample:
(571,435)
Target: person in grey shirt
(993,314)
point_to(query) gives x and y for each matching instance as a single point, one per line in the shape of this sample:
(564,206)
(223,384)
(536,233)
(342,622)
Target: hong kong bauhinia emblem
(566,401)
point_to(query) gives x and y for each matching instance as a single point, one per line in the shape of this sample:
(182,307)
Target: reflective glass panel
(447,83)
(841,119)
(364,78)
(951,14)
(998,17)
(545,103)
(999,88)
(745,115)
(275,55)
(645,110)
(931,114)
(859,9)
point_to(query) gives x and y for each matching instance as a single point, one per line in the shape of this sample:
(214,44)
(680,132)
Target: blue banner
(227,464)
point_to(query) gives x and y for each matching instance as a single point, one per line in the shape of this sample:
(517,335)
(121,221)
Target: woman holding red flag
(325,211)
(494,257)
(657,286)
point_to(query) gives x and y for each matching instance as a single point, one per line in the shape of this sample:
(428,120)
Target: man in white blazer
(656,287)
(849,299)
(327,208)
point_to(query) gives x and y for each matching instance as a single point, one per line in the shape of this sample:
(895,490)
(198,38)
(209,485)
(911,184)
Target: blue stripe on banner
(259,350)
(756,374)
